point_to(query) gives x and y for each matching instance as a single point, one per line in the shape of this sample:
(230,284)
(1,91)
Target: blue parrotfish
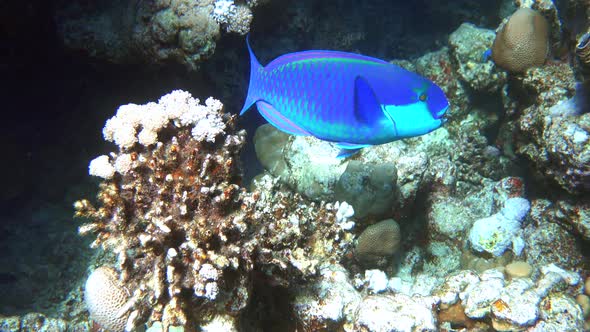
(352,100)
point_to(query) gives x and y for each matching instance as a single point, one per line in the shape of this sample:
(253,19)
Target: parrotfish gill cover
(352,100)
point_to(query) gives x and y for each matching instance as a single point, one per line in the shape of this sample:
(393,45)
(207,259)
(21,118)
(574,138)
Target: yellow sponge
(522,42)
(104,297)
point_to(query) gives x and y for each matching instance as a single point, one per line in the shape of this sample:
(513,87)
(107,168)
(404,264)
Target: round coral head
(523,42)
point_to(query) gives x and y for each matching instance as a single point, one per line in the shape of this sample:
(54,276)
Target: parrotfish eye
(423,96)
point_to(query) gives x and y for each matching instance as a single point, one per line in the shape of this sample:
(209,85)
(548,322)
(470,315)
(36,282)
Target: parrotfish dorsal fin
(318,55)
(367,108)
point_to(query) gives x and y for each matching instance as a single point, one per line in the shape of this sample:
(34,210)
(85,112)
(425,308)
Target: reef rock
(310,166)
(555,139)
(369,188)
(468,45)
(150,31)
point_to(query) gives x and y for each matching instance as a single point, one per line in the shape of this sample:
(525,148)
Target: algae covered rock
(553,136)
(369,188)
(397,312)
(154,32)
(310,167)
(467,47)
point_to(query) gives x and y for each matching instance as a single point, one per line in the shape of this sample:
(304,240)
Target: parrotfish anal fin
(344,153)
(351,146)
(349,149)
(367,108)
(275,118)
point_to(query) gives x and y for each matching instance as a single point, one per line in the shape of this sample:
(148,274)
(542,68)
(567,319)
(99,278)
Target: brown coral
(522,42)
(378,242)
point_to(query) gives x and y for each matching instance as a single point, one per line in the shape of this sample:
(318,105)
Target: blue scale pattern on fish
(352,100)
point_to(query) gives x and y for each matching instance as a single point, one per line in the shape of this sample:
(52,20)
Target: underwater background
(135,198)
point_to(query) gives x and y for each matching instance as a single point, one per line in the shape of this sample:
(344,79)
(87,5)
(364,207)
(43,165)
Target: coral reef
(187,237)
(522,42)
(481,225)
(151,31)
(458,202)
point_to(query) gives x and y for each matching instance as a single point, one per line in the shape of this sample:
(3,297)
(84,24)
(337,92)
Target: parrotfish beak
(441,113)
(437,102)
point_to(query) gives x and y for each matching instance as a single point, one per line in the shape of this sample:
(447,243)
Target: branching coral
(186,234)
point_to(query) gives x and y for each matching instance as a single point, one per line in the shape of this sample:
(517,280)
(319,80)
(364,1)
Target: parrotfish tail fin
(255,69)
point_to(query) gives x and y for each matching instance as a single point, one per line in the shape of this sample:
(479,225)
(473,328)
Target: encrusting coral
(186,234)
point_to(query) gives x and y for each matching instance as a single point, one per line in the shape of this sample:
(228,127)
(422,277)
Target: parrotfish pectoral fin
(348,149)
(255,68)
(275,118)
(367,108)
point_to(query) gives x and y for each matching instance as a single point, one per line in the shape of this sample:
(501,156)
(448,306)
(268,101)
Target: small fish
(487,55)
(351,100)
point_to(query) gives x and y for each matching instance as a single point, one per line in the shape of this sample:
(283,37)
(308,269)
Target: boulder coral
(522,42)
(378,242)
(106,299)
